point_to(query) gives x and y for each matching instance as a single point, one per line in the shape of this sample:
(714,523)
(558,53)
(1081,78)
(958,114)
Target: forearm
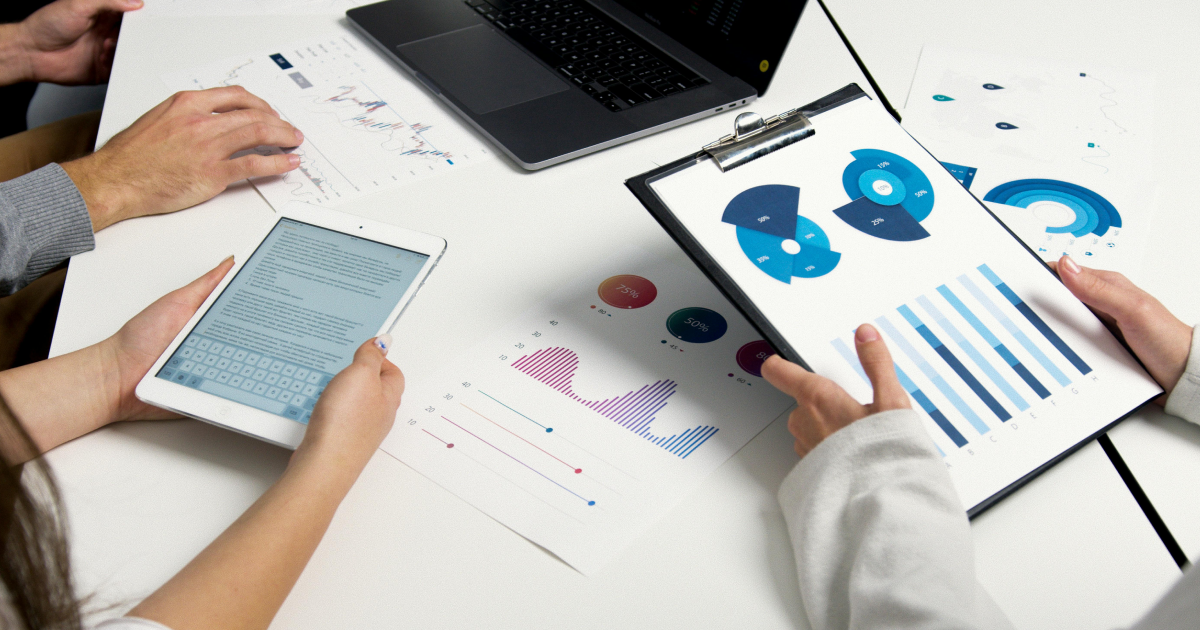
(14,55)
(59,399)
(43,221)
(242,578)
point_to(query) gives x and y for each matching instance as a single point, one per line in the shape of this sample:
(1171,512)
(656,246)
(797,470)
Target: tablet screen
(292,318)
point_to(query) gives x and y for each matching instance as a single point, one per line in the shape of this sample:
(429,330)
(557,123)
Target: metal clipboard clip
(754,137)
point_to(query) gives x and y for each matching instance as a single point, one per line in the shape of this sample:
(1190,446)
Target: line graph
(635,410)
(366,127)
(510,456)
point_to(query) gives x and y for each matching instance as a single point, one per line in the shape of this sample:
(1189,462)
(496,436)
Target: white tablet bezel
(255,422)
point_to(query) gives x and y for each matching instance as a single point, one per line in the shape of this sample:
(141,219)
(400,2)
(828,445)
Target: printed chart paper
(366,126)
(594,413)
(1061,153)
(858,224)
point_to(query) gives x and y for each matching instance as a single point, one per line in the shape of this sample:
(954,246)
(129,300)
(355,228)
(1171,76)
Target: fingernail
(383,342)
(866,334)
(299,137)
(1070,264)
(293,159)
(229,257)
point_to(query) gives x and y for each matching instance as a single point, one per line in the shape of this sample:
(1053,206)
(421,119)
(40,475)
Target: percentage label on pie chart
(776,239)
(889,195)
(627,291)
(751,356)
(697,325)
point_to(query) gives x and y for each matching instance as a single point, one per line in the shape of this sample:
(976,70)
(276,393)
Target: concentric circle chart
(889,196)
(627,291)
(777,240)
(751,356)
(697,325)
(1085,211)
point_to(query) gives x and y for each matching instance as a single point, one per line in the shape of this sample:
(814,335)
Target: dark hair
(34,559)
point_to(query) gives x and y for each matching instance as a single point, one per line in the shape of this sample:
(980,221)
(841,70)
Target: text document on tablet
(857,223)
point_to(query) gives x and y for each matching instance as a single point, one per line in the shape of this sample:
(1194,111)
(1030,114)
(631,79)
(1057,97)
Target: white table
(1071,549)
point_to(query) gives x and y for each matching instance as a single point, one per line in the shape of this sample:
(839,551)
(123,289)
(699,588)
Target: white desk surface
(1072,549)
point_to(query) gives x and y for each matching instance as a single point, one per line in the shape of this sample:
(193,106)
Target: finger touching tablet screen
(262,348)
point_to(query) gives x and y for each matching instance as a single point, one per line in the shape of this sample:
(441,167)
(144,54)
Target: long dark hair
(34,558)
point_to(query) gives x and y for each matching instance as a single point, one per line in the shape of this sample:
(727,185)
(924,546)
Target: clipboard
(1009,372)
(753,137)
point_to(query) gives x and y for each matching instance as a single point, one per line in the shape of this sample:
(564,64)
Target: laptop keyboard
(604,59)
(242,375)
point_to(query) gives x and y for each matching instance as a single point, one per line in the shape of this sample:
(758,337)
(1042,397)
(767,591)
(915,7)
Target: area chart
(1092,213)
(635,410)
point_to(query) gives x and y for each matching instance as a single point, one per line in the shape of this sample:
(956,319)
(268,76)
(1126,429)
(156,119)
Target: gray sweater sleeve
(43,221)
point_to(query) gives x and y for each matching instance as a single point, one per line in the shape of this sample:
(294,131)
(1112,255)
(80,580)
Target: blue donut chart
(766,218)
(889,196)
(1093,213)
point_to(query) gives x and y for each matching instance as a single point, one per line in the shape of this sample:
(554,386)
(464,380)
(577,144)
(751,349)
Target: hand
(72,42)
(131,352)
(178,155)
(1157,337)
(356,410)
(823,407)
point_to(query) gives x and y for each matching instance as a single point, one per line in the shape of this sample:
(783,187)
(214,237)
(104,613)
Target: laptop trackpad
(481,69)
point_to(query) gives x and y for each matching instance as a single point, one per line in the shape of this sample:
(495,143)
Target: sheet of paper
(858,224)
(188,8)
(367,127)
(594,413)
(1061,153)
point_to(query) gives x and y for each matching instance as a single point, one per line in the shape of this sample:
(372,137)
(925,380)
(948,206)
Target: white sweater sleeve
(1185,398)
(880,536)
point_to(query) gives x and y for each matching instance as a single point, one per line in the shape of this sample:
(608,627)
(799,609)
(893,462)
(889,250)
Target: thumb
(373,351)
(194,294)
(881,370)
(1096,291)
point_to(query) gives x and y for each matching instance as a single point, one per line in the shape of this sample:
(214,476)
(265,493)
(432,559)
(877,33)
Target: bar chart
(939,341)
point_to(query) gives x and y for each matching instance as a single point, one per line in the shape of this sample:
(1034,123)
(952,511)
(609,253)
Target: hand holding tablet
(290,316)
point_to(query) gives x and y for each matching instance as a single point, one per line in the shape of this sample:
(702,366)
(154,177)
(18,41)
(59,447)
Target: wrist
(16,64)
(108,378)
(334,474)
(340,467)
(103,199)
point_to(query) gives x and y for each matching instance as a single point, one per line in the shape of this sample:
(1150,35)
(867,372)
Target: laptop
(551,80)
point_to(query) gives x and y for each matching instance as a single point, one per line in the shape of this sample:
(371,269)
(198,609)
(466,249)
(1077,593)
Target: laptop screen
(745,38)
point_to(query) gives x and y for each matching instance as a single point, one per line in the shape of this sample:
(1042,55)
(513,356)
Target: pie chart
(776,239)
(889,196)
(1069,208)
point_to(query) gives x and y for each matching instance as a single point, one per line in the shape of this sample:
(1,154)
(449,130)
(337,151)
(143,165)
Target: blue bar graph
(974,354)
(909,386)
(995,343)
(1036,320)
(1014,331)
(956,365)
(938,382)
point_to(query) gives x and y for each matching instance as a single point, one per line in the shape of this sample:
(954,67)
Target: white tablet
(287,318)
